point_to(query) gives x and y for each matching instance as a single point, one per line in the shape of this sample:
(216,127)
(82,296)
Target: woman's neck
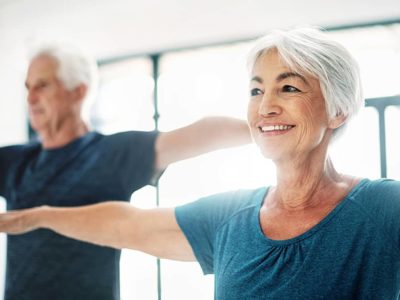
(303,182)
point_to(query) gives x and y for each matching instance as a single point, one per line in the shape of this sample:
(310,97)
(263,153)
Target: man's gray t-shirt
(94,168)
(353,253)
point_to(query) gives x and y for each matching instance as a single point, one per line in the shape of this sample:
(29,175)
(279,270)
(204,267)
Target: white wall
(111,28)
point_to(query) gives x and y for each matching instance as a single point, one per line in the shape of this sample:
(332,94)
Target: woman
(317,234)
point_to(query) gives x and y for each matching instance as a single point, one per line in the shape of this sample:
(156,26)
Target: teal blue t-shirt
(353,253)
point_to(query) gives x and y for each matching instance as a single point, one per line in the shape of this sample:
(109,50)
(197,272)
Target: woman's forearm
(108,223)
(115,224)
(105,224)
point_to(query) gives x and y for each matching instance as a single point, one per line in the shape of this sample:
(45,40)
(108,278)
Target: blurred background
(164,64)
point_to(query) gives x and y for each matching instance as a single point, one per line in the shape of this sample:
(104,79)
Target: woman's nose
(269,106)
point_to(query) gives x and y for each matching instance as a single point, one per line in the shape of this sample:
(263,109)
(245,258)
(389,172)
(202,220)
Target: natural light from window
(213,81)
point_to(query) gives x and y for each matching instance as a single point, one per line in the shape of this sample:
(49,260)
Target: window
(194,84)
(213,81)
(125,102)
(393,144)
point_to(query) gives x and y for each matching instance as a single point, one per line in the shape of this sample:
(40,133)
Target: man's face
(50,103)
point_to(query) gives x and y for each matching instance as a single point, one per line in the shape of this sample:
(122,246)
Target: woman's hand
(20,221)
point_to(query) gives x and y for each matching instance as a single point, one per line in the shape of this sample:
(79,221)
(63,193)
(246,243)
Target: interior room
(194,54)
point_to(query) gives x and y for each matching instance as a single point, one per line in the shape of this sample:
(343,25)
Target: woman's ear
(337,121)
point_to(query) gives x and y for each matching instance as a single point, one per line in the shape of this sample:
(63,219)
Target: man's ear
(80,92)
(337,121)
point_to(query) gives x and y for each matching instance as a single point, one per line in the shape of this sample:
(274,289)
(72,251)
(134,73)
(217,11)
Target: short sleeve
(134,152)
(381,201)
(8,157)
(201,220)
(387,193)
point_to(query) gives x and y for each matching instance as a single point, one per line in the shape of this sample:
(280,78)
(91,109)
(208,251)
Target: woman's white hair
(309,51)
(74,67)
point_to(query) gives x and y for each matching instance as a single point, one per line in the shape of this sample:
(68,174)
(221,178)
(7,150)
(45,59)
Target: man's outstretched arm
(205,135)
(114,224)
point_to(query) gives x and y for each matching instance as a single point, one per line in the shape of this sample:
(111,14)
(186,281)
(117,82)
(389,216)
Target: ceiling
(111,28)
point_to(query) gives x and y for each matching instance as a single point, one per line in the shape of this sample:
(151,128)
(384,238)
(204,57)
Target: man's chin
(36,126)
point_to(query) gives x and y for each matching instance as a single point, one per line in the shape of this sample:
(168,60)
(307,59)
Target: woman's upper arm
(158,233)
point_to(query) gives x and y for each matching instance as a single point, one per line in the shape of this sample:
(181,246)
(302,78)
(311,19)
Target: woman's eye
(290,89)
(255,92)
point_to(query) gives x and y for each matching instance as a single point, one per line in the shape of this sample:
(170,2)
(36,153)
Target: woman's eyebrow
(281,77)
(285,75)
(257,79)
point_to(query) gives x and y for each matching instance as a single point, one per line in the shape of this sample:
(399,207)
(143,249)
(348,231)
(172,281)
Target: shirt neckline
(313,229)
(71,144)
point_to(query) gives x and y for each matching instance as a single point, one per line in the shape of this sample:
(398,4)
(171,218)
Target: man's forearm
(222,132)
(205,135)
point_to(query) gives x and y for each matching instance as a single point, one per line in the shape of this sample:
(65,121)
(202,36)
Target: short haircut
(309,51)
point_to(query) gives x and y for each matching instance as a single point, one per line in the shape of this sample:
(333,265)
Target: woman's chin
(272,154)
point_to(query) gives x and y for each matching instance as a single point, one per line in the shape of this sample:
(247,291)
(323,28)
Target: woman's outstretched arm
(114,224)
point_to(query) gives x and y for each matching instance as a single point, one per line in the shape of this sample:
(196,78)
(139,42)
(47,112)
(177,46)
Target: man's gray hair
(309,51)
(75,67)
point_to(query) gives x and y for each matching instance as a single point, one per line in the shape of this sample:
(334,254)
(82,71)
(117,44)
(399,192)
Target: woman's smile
(275,129)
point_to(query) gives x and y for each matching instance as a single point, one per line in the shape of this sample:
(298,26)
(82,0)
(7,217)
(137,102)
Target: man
(72,166)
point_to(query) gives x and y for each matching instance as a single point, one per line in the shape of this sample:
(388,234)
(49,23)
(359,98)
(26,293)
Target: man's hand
(19,221)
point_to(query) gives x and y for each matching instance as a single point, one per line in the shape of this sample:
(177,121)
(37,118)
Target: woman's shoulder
(377,194)
(382,186)
(236,199)
(223,205)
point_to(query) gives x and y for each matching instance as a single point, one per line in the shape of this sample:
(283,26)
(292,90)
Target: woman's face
(286,111)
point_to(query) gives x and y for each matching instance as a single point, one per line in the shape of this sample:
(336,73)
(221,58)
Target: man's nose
(32,97)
